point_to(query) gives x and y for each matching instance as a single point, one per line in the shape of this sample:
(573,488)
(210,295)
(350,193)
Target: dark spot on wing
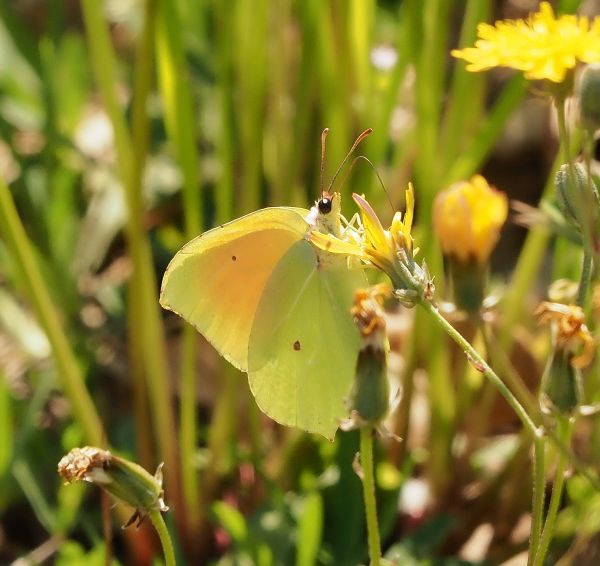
(297,345)
(233,258)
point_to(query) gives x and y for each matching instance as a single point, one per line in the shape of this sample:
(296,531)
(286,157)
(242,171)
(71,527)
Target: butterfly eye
(325,205)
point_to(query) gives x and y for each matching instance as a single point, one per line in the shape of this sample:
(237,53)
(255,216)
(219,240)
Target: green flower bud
(574,197)
(589,97)
(370,397)
(561,384)
(469,281)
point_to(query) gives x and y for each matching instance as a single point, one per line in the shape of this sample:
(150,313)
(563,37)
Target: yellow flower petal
(374,231)
(542,47)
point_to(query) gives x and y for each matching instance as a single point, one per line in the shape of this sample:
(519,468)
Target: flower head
(368,313)
(467,218)
(571,331)
(391,251)
(543,46)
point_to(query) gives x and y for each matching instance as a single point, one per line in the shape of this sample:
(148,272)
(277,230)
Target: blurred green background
(128,127)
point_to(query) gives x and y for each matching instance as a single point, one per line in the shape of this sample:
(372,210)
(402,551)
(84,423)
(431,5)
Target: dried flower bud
(124,480)
(570,332)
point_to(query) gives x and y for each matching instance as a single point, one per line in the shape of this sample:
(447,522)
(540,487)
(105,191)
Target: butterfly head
(327,213)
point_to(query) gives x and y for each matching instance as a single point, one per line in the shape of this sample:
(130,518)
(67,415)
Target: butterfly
(276,307)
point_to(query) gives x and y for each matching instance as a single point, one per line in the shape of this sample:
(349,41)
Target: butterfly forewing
(216,281)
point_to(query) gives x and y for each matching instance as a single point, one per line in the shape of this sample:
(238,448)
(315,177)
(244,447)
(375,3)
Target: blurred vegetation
(128,127)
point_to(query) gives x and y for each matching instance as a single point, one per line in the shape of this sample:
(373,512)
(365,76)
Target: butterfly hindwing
(303,344)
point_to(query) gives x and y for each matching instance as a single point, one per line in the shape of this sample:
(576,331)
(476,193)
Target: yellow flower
(391,250)
(467,218)
(543,46)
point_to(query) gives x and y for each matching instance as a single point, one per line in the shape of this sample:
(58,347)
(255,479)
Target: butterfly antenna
(323,140)
(354,161)
(354,146)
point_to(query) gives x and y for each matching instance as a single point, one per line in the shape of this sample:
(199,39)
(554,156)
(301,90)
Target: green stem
(482,366)
(563,131)
(180,124)
(165,538)
(586,275)
(69,374)
(188,426)
(224,190)
(539,492)
(473,155)
(429,84)
(443,413)
(465,100)
(368,481)
(559,482)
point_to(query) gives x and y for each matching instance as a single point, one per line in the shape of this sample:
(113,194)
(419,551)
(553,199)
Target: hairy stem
(368,481)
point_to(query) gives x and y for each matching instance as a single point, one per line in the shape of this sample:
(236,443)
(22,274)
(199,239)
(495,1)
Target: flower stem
(559,482)
(482,365)
(539,492)
(165,538)
(586,275)
(368,481)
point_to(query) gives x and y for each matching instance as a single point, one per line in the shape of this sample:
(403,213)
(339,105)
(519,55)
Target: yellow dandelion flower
(542,47)
(467,218)
(391,251)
